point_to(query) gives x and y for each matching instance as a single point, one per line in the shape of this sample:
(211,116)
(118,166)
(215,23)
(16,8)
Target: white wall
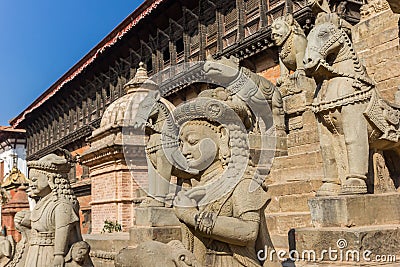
(7,157)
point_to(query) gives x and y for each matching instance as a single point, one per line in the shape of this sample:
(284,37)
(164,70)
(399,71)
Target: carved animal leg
(331,182)
(356,140)
(164,167)
(150,201)
(278,116)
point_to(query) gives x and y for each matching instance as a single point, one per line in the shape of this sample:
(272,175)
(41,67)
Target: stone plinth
(155,223)
(162,234)
(155,217)
(348,227)
(349,211)
(349,243)
(104,247)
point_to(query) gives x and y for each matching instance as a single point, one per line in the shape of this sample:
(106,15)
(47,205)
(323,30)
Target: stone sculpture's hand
(280,81)
(59,261)
(182,200)
(185,208)
(295,75)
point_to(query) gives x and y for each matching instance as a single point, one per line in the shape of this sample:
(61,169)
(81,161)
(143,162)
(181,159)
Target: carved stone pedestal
(155,223)
(351,231)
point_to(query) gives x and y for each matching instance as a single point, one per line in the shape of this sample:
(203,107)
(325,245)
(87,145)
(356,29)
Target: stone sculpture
(352,117)
(373,7)
(221,216)
(220,207)
(292,42)
(163,156)
(78,255)
(53,223)
(249,87)
(153,253)
(7,248)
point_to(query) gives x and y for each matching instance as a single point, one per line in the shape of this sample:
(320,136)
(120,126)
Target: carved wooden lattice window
(194,41)
(252,8)
(230,19)
(276,9)
(299,4)
(212,29)
(180,49)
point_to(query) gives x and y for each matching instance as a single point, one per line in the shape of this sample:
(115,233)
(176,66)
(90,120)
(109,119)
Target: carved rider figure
(54,221)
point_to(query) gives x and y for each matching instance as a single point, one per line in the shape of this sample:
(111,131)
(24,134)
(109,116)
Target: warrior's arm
(64,219)
(22,218)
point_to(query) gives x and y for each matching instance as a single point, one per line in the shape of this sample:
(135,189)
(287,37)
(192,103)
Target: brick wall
(376,40)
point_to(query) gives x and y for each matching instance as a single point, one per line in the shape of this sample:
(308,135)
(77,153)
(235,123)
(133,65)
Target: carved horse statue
(352,117)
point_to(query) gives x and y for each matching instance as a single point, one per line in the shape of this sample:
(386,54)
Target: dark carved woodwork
(191,31)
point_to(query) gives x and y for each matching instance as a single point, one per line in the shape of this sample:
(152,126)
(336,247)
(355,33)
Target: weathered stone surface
(343,128)
(300,187)
(104,247)
(156,216)
(281,222)
(380,240)
(162,234)
(349,211)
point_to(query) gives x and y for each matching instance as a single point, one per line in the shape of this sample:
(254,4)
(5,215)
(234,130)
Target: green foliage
(110,227)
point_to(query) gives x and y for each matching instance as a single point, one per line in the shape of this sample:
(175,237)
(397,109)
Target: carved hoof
(354,186)
(328,189)
(151,202)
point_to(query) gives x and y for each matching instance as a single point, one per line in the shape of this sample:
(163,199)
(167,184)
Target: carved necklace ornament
(287,47)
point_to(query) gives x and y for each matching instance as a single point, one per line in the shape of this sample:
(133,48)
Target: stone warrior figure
(54,221)
(352,117)
(221,207)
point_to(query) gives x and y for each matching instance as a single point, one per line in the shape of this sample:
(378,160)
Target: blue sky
(43,39)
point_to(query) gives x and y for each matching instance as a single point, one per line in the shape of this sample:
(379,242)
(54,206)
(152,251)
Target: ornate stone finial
(141,80)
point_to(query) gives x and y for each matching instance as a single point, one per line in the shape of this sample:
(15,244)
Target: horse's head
(281,28)
(324,43)
(224,70)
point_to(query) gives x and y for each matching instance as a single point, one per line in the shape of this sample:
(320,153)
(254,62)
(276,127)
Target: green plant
(110,226)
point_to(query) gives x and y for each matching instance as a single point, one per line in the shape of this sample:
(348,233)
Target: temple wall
(376,39)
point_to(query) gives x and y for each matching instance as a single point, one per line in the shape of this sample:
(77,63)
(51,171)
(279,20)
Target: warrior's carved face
(279,32)
(39,183)
(200,144)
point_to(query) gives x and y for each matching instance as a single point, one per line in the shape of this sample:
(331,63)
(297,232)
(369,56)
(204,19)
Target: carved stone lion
(292,42)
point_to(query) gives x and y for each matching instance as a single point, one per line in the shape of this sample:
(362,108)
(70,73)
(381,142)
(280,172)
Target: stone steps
(290,203)
(280,223)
